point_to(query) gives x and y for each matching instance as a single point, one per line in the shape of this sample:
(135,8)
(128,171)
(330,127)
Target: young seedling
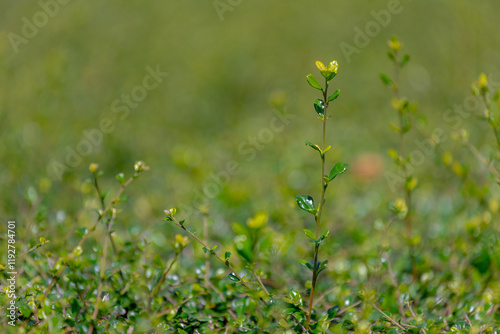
(109,211)
(233,276)
(306,202)
(491,115)
(404,109)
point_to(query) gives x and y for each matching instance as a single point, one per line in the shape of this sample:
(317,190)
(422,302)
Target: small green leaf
(405,60)
(121,178)
(284,324)
(334,95)
(313,82)
(307,264)
(233,277)
(205,249)
(309,234)
(314,146)
(338,169)
(82,231)
(395,128)
(324,235)
(157,261)
(496,97)
(386,80)
(227,255)
(390,54)
(332,311)
(305,202)
(322,266)
(319,106)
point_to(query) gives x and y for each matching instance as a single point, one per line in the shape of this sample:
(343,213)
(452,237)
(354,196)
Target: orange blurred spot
(367,166)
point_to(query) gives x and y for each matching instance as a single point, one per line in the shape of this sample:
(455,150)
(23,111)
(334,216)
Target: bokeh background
(225,76)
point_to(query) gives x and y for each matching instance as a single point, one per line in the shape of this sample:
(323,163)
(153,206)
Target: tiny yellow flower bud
(320,66)
(93,167)
(400,208)
(333,67)
(447,158)
(483,81)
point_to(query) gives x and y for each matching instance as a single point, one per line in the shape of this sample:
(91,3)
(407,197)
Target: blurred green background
(224,76)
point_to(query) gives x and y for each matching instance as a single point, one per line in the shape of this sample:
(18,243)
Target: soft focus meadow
(113,112)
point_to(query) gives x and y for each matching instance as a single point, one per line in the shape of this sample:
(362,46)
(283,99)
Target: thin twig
(161,280)
(483,160)
(387,317)
(102,272)
(82,240)
(225,262)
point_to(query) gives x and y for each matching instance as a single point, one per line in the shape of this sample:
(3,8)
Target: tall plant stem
(102,272)
(496,130)
(402,151)
(320,208)
(225,262)
(80,243)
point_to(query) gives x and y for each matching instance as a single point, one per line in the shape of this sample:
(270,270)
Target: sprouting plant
(491,115)
(479,225)
(233,275)
(108,215)
(306,202)
(179,244)
(400,156)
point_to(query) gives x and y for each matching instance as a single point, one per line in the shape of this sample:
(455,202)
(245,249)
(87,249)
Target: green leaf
(265,243)
(405,60)
(390,54)
(322,266)
(157,261)
(334,95)
(306,203)
(386,80)
(496,97)
(309,234)
(313,82)
(121,178)
(319,106)
(482,261)
(338,169)
(307,264)
(332,311)
(324,235)
(205,249)
(233,277)
(314,146)
(227,255)
(82,231)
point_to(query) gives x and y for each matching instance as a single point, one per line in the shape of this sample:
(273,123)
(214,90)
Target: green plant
(306,202)
(481,89)
(402,208)
(107,214)
(484,234)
